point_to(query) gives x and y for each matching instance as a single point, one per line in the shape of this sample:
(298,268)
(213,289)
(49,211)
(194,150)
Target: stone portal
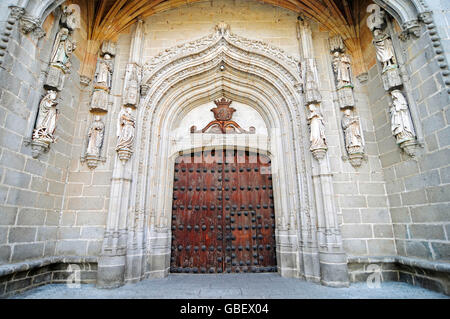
(223,213)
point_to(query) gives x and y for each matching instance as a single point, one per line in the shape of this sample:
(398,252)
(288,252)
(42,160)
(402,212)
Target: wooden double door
(223,217)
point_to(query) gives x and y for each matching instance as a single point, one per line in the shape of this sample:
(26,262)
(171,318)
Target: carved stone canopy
(223,123)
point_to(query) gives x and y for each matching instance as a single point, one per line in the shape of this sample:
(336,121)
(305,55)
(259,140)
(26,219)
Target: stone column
(113,263)
(332,258)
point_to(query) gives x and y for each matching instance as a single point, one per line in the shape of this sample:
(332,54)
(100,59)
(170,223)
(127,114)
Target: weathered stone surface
(423,231)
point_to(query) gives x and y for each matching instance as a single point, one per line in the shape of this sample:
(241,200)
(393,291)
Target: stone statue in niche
(317,129)
(131,90)
(95,141)
(342,68)
(384,50)
(401,124)
(343,74)
(353,137)
(60,63)
(45,127)
(102,84)
(103,72)
(63,49)
(352,130)
(125,133)
(311,92)
(46,120)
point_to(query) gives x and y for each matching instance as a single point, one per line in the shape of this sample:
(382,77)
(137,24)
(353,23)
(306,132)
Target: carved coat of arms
(223,123)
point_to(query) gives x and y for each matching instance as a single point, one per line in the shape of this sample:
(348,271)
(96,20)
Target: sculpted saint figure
(63,48)
(384,48)
(125,130)
(341,65)
(46,120)
(353,138)
(312,94)
(401,125)
(103,72)
(95,135)
(131,85)
(317,128)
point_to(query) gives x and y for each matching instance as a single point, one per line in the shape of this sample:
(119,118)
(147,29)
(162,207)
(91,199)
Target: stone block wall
(417,188)
(360,193)
(32,190)
(84,215)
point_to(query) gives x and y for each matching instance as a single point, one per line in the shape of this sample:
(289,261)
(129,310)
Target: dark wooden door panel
(223,213)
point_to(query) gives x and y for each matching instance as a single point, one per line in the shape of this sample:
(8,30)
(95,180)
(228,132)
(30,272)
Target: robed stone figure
(342,68)
(95,136)
(384,49)
(62,49)
(46,120)
(125,130)
(401,124)
(317,127)
(103,72)
(352,132)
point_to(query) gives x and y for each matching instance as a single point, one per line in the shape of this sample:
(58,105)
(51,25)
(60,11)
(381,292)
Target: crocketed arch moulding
(250,72)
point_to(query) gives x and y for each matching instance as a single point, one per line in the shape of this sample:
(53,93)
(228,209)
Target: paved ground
(232,286)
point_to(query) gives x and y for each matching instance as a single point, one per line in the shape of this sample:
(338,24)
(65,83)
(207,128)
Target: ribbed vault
(105,19)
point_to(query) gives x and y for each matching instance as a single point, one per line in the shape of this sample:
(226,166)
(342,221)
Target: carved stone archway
(137,239)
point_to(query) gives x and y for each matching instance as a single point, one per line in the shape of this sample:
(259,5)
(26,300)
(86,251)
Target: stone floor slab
(248,286)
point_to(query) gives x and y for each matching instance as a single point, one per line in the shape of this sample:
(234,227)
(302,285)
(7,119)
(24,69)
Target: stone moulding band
(433,275)
(20,277)
(408,261)
(36,263)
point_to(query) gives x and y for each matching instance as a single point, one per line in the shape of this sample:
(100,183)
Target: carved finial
(222,27)
(337,44)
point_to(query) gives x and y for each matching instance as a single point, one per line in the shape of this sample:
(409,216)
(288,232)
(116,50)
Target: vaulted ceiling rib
(107,18)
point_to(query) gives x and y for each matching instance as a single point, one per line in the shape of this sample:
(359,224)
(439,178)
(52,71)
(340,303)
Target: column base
(111,272)
(333,270)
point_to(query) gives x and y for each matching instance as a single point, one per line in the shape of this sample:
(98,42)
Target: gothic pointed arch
(221,64)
